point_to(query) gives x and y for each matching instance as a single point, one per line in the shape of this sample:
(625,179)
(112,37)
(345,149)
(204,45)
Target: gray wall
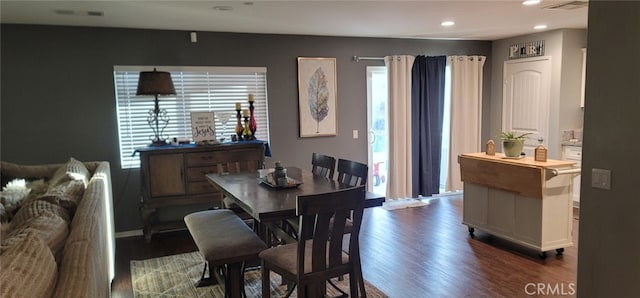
(609,251)
(566,64)
(58,94)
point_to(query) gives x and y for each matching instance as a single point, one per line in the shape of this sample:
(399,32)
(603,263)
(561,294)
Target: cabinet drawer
(198,173)
(572,153)
(202,158)
(200,187)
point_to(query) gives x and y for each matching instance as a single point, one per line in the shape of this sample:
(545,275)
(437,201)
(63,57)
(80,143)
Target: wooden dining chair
(238,162)
(318,256)
(352,172)
(323,165)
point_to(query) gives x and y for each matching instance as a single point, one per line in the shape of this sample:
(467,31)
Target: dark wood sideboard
(175,176)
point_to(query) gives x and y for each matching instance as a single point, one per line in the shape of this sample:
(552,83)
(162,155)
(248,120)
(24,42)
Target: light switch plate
(355,133)
(601,178)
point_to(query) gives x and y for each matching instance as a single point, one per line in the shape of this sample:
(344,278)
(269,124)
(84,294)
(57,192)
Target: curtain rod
(358,58)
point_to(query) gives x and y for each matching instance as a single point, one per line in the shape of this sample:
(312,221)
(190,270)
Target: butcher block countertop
(523,176)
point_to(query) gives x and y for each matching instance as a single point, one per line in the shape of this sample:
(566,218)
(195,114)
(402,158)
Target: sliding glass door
(377,99)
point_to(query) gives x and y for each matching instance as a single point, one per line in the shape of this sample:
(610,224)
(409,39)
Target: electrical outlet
(355,133)
(601,178)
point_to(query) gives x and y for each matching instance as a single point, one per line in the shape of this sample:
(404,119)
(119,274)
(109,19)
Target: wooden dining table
(269,206)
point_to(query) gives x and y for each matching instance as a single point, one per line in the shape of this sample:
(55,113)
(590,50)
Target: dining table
(270,205)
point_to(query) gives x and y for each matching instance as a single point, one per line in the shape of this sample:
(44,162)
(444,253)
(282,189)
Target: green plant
(510,135)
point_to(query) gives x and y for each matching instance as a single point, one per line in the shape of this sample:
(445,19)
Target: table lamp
(156,83)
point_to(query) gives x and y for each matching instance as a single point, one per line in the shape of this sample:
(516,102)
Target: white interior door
(526,93)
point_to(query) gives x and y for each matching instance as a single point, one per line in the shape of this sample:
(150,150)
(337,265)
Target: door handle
(372,137)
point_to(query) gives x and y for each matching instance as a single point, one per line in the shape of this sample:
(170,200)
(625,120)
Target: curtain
(427,97)
(466,112)
(399,169)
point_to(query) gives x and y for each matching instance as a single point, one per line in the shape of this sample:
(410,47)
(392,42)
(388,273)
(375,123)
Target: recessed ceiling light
(540,27)
(448,23)
(530,2)
(223,8)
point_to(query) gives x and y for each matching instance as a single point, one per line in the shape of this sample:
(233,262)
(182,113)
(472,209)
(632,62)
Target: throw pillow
(36,208)
(52,229)
(28,269)
(73,170)
(13,194)
(67,195)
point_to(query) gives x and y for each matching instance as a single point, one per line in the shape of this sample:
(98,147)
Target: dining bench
(225,242)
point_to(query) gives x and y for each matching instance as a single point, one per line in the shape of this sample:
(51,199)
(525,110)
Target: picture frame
(317,97)
(203,127)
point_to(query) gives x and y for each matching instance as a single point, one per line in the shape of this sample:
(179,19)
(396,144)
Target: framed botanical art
(317,100)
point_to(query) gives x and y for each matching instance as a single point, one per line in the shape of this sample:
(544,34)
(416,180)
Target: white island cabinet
(521,200)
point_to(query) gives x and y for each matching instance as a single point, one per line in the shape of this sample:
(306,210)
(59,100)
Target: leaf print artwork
(318,93)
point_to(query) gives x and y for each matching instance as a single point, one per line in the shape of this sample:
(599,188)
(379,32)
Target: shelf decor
(156,83)
(239,128)
(317,90)
(203,127)
(253,125)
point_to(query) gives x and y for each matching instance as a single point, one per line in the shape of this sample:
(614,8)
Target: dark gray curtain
(427,105)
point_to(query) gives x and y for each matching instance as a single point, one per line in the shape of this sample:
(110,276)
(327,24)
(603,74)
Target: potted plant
(512,144)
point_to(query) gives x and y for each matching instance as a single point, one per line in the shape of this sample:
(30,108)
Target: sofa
(59,241)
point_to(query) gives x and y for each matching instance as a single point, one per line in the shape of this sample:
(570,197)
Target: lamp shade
(155,83)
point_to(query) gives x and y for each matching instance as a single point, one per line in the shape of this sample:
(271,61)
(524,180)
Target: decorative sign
(526,49)
(203,127)
(490,148)
(540,153)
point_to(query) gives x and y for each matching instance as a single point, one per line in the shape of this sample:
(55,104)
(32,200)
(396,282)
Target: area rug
(403,203)
(176,276)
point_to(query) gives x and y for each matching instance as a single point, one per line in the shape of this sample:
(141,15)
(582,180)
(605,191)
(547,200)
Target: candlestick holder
(253,125)
(239,128)
(247,132)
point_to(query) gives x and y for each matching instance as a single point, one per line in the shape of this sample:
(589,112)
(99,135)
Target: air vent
(568,5)
(66,12)
(95,13)
(69,12)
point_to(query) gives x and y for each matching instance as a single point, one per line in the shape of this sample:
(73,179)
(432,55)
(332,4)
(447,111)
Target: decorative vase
(247,136)
(512,148)
(239,128)
(253,125)
(279,175)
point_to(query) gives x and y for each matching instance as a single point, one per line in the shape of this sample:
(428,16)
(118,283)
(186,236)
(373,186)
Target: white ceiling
(475,19)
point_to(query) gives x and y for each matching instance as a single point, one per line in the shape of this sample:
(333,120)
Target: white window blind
(198,89)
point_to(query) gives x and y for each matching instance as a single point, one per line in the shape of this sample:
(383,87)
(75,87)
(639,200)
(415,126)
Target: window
(215,89)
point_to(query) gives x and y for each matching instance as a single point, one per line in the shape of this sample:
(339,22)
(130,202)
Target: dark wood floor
(414,252)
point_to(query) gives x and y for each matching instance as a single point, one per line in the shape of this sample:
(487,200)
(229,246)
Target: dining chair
(318,256)
(237,163)
(323,165)
(352,172)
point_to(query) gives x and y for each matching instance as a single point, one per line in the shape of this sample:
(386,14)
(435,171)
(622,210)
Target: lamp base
(158,143)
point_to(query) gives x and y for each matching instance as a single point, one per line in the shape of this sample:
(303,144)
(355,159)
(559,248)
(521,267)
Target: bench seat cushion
(222,237)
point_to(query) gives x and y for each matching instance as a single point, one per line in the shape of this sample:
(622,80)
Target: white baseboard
(131,233)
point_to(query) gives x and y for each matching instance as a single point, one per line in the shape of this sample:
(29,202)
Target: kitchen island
(521,200)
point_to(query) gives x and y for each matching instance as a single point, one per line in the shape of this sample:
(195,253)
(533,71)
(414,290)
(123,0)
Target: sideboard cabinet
(175,176)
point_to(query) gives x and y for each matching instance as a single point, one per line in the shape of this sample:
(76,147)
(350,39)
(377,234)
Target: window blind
(198,89)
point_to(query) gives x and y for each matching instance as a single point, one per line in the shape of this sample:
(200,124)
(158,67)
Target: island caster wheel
(471,231)
(543,255)
(559,251)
